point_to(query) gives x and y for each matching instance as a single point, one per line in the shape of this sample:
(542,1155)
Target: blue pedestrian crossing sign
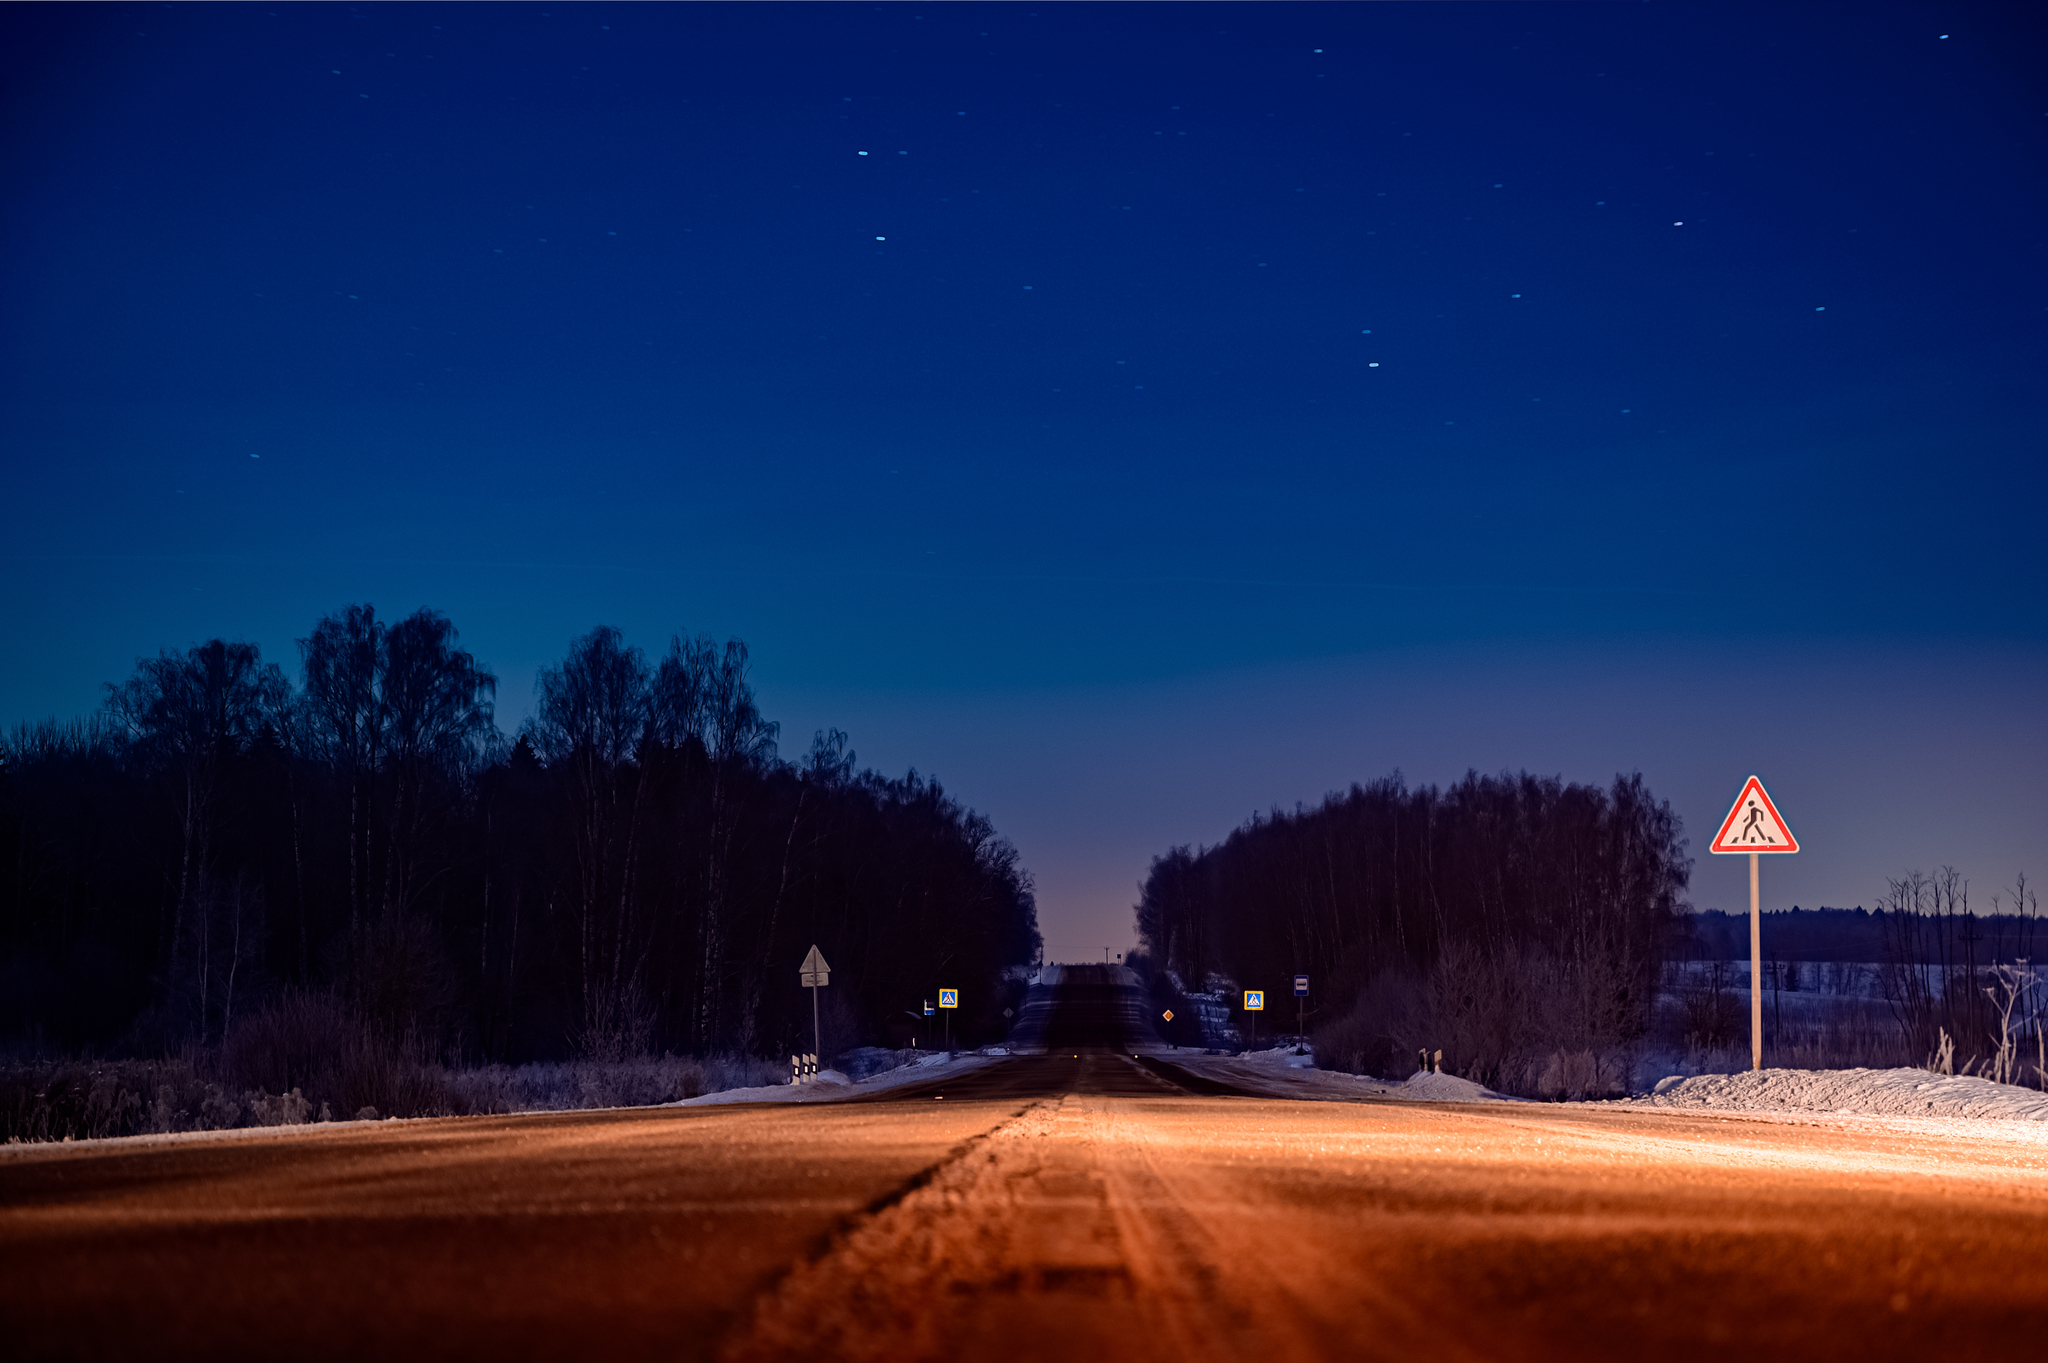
(1255,1000)
(949,998)
(1300,986)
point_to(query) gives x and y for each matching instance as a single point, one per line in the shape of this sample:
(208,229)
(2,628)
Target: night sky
(1134,416)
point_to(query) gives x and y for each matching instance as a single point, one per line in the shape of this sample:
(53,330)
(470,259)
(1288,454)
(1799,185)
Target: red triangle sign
(1754,825)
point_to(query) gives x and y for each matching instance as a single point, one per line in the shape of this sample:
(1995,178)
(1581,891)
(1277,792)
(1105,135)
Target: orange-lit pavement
(1046,1208)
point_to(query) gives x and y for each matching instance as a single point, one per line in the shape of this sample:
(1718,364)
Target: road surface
(1074,1205)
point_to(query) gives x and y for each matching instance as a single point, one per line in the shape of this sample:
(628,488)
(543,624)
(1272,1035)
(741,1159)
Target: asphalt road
(1065,1206)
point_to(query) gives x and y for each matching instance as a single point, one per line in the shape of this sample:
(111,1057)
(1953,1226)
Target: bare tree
(1930,970)
(703,703)
(345,725)
(591,722)
(739,742)
(187,715)
(436,705)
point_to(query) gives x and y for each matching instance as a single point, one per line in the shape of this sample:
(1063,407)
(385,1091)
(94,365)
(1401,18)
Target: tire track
(1059,1232)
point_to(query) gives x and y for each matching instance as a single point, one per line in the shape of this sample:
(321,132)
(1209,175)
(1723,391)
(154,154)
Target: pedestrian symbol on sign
(949,998)
(1755,827)
(1254,1000)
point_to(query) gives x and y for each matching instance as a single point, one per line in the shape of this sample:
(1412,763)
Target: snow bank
(1867,1093)
(1280,1073)
(1424,1087)
(832,1086)
(1278,1058)
(1882,1093)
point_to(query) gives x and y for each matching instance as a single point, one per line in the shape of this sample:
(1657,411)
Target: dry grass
(307,1058)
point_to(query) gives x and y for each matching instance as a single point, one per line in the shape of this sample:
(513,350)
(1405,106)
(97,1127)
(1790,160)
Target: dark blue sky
(1160,376)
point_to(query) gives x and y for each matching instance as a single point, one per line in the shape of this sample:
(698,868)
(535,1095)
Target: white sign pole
(1756,968)
(817,1033)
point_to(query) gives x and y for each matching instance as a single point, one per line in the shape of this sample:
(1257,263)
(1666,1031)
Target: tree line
(1516,923)
(1971,940)
(637,870)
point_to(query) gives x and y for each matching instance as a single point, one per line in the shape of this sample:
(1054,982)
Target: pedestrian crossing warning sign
(1254,1000)
(1754,825)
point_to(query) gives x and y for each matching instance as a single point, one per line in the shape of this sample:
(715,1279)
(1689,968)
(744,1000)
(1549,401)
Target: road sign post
(1254,1004)
(1754,827)
(814,974)
(1300,1013)
(949,999)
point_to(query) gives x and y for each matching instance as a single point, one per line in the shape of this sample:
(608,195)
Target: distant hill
(1826,934)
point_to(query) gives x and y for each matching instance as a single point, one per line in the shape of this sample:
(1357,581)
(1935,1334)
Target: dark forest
(637,871)
(1508,921)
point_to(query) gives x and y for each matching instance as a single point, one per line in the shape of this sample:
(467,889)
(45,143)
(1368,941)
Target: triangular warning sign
(814,972)
(1754,825)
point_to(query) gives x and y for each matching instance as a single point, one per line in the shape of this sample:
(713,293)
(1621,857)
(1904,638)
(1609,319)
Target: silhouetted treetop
(639,869)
